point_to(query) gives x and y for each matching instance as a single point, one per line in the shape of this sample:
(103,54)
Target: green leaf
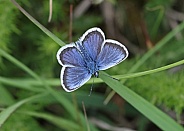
(132,75)
(45,30)
(58,121)
(5,97)
(5,114)
(147,109)
(24,84)
(61,99)
(158,46)
(146,56)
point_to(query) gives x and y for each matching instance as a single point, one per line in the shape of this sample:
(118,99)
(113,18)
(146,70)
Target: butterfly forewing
(92,41)
(69,56)
(111,54)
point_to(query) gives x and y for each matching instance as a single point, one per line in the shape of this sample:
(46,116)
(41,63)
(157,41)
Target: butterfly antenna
(91,87)
(111,77)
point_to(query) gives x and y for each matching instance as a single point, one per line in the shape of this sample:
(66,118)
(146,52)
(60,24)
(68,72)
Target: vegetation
(149,94)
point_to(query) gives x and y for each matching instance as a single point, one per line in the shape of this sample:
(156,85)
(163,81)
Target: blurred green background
(139,25)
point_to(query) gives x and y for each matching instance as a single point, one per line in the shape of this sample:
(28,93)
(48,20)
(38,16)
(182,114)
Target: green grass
(73,119)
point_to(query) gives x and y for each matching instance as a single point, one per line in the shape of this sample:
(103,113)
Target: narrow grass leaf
(147,109)
(29,84)
(132,75)
(146,56)
(22,84)
(58,121)
(18,64)
(61,99)
(5,114)
(5,96)
(45,30)
(158,46)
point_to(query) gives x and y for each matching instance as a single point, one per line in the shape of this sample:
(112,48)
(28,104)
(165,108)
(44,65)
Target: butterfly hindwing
(74,77)
(112,53)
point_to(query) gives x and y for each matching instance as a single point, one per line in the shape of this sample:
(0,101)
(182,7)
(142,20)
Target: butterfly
(85,57)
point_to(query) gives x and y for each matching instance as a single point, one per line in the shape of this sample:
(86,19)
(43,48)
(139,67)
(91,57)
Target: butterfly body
(89,63)
(84,58)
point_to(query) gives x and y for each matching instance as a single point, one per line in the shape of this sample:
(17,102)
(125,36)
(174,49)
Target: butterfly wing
(74,77)
(112,53)
(74,73)
(92,41)
(69,55)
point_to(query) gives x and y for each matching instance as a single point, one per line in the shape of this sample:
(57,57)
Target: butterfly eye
(96,74)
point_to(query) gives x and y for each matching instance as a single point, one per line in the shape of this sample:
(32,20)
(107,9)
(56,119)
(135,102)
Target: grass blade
(58,121)
(149,71)
(23,84)
(158,46)
(5,114)
(29,84)
(147,109)
(45,30)
(19,64)
(6,98)
(61,99)
(146,56)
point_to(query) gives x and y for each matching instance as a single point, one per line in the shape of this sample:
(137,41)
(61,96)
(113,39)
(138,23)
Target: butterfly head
(96,74)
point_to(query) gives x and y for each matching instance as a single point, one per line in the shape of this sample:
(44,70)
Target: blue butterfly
(85,57)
